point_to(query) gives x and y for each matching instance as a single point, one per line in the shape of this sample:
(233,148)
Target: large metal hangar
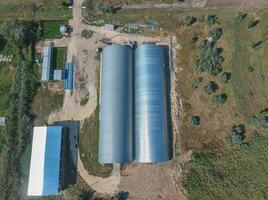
(116,112)
(151,131)
(45,176)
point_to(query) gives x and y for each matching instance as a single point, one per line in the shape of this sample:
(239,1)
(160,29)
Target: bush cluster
(215,34)
(236,135)
(210,87)
(225,77)
(209,59)
(220,99)
(260,120)
(190,20)
(210,19)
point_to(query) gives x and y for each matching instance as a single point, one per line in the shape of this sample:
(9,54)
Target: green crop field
(51,29)
(60,57)
(88,145)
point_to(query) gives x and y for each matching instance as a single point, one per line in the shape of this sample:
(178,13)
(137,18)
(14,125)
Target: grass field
(39,10)
(51,29)
(60,56)
(218,171)
(88,146)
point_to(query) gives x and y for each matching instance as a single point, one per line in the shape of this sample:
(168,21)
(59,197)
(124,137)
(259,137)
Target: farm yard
(220,63)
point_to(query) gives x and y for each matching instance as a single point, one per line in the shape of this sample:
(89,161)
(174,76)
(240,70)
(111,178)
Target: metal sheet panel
(151,134)
(115,142)
(36,174)
(47,61)
(52,160)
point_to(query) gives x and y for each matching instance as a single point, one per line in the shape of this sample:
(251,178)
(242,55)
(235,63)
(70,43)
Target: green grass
(60,57)
(218,171)
(88,146)
(45,10)
(51,29)
(234,174)
(6,75)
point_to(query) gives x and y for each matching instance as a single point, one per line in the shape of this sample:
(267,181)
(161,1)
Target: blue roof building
(45,167)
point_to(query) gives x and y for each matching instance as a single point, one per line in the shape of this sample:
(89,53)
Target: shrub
(106,8)
(87,33)
(236,135)
(210,87)
(225,77)
(190,20)
(192,40)
(250,69)
(209,59)
(256,45)
(210,19)
(253,23)
(220,99)
(260,120)
(195,120)
(215,33)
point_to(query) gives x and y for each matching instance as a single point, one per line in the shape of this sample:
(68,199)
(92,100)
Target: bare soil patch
(230,3)
(151,181)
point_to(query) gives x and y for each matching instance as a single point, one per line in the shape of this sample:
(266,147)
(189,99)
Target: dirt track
(231,3)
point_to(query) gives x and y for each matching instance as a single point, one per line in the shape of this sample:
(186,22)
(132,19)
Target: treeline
(19,124)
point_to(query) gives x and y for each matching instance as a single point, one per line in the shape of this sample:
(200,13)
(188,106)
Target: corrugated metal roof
(47,61)
(109,26)
(58,75)
(115,143)
(2,121)
(151,134)
(44,177)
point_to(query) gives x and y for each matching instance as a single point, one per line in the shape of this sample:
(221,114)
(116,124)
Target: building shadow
(70,152)
(168,72)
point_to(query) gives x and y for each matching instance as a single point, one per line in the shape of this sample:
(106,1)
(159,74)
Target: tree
(195,120)
(16,33)
(190,20)
(210,87)
(236,135)
(2,42)
(220,99)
